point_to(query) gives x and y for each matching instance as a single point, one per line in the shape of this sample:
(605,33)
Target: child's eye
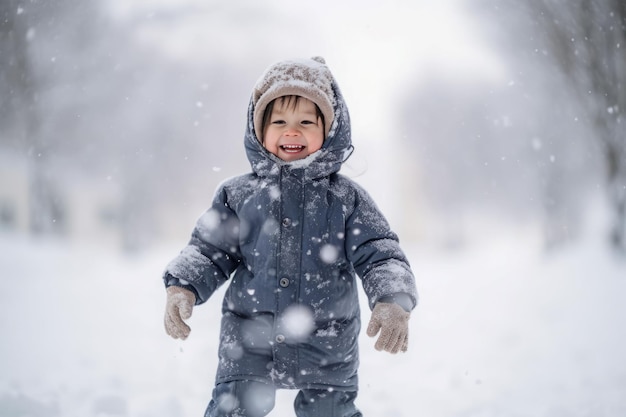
(278,122)
(308,122)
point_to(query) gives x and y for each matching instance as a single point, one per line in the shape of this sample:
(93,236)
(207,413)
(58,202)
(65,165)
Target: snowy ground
(501,330)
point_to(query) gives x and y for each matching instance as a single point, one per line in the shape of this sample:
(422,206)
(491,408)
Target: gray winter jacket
(292,237)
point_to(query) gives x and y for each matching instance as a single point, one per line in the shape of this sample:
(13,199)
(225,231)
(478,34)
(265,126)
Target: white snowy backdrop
(502,329)
(119,118)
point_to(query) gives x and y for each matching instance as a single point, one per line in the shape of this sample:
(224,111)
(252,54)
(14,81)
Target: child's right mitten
(178,307)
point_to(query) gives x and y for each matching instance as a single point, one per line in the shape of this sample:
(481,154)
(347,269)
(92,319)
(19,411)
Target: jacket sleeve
(374,251)
(211,255)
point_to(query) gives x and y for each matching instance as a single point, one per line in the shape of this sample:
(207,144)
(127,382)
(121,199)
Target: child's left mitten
(393,323)
(179,306)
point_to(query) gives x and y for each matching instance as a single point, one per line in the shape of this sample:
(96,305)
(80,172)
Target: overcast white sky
(375,49)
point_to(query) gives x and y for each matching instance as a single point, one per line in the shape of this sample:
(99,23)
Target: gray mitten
(178,307)
(393,323)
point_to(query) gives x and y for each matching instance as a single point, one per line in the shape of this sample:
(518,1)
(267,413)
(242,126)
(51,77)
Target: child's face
(293,132)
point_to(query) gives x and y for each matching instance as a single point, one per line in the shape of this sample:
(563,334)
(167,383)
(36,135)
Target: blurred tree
(21,113)
(586,41)
(70,83)
(497,150)
(120,129)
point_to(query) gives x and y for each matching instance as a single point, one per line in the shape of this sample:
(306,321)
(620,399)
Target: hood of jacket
(336,149)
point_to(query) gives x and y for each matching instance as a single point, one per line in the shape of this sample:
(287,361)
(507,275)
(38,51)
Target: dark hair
(291,101)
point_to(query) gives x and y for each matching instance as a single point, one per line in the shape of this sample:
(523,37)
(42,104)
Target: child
(292,235)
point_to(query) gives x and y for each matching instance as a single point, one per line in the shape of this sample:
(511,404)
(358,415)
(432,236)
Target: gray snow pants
(256,399)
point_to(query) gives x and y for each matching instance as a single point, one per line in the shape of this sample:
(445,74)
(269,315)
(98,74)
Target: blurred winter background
(491,133)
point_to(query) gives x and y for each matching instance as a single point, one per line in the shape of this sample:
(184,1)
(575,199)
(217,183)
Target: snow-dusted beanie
(308,78)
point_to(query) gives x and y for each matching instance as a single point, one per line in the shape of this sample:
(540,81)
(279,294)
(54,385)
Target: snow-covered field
(502,329)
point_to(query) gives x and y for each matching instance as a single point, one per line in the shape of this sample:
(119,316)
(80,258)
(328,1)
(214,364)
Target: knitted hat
(308,78)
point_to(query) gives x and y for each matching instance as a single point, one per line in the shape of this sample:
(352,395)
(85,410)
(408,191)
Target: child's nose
(291,131)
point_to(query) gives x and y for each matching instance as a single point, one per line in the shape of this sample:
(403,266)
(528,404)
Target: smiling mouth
(292,148)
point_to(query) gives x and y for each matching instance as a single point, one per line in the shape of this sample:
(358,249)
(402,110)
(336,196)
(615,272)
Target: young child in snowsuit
(292,236)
